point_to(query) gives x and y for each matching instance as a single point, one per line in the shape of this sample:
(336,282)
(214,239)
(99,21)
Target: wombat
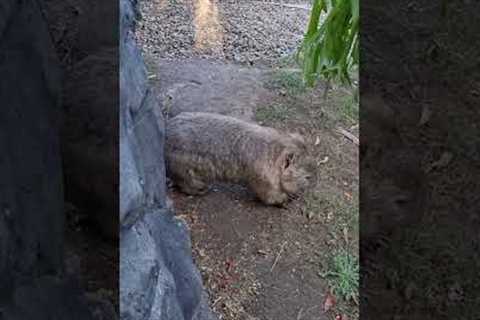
(204,147)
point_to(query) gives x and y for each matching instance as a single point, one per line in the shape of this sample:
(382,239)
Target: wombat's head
(293,176)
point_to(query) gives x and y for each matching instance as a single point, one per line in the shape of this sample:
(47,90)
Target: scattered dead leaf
(262,252)
(426,115)
(329,216)
(444,161)
(329,302)
(350,136)
(345,235)
(229,264)
(310,215)
(323,161)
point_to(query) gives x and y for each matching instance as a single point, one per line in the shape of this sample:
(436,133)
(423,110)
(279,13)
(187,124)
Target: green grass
(289,80)
(349,109)
(273,113)
(288,61)
(343,275)
(342,271)
(345,212)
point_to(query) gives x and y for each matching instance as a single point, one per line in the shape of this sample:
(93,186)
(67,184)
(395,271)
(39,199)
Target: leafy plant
(330,47)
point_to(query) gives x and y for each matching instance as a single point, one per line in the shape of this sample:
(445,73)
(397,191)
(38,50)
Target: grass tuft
(350,109)
(273,113)
(344,275)
(289,80)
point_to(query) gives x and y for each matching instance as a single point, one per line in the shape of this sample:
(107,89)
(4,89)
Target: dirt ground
(429,270)
(261,262)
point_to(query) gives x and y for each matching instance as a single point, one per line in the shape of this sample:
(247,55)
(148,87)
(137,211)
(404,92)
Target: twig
(278,256)
(348,135)
(300,312)
(327,88)
(216,301)
(235,230)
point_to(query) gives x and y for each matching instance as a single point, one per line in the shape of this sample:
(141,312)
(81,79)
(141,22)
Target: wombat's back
(226,145)
(217,136)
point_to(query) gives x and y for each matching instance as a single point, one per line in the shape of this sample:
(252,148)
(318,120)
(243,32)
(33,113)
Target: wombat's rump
(204,147)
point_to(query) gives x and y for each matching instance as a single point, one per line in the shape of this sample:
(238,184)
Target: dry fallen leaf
(323,161)
(310,214)
(329,303)
(329,216)
(261,252)
(426,115)
(444,161)
(345,235)
(317,141)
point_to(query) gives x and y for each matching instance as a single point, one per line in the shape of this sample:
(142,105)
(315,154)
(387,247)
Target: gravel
(249,32)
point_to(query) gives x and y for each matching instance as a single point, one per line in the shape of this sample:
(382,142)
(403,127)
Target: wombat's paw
(274,198)
(192,190)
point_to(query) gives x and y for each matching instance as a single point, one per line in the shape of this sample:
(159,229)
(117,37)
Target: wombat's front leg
(191,184)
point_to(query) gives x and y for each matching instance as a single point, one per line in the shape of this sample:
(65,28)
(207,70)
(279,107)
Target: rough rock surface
(31,190)
(158,279)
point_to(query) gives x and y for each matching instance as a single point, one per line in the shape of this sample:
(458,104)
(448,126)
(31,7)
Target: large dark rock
(31,196)
(158,279)
(98,26)
(80,27)
(90,137)
(32,279)
(48,298)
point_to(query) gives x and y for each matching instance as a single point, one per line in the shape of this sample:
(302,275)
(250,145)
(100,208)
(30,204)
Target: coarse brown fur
(204,147)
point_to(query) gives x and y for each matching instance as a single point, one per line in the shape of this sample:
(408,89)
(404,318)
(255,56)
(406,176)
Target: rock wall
(158,279)
(157,276)
(32,279)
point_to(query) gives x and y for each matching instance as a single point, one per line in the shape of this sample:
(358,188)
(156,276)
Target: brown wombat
(206,147)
